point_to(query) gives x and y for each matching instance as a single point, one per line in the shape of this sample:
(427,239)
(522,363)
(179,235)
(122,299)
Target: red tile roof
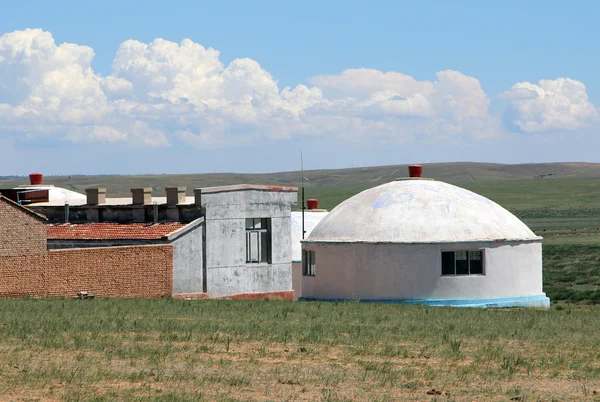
(107,231)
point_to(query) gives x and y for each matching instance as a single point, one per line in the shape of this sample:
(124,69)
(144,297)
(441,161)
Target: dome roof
(419,211)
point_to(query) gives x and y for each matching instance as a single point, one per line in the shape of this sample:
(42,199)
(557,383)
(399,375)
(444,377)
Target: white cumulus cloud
(162,93)
(551,105)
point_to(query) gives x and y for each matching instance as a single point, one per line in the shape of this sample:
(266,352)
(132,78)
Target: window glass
(308,263)
(304,262)
(252,239)
(264,246)
(258,240)
(462,263)
(475,262)
(448,263)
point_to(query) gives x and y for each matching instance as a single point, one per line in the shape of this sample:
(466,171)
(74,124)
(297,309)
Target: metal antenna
(302,172)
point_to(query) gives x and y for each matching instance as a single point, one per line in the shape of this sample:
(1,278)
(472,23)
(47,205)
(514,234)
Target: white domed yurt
(422,241)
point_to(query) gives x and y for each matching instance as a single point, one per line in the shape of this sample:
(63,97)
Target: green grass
(230,350)
(561,194)
(169,350)
(572,272)
(527,198)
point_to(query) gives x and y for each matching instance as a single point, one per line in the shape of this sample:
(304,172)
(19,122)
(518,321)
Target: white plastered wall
(413,271)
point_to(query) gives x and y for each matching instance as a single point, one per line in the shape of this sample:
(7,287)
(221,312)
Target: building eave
(528,240)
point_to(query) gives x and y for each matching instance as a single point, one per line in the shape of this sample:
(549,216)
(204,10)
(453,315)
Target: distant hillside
(339,179)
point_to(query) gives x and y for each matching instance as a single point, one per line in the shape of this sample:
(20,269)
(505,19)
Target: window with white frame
(463,262)
(258,240)
(308,263)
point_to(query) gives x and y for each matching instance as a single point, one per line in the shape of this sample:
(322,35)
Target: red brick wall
(23,276)
(140,271)
(20,234)
(27,268)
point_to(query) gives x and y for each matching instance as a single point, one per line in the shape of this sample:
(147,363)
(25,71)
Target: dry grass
(238,350)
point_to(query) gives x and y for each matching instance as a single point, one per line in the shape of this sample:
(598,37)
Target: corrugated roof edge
(246,187)
(20,207)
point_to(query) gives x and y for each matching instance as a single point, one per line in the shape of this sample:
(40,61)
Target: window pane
(308,263)
(448,263)
(462,263)
(253,246)
(258,240)
(304,266)
(247,247)
(476,262)
(264,246)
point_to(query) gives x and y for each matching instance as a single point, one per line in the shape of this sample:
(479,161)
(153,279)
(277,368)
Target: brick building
(232,241)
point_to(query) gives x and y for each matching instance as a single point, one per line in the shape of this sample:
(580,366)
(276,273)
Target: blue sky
(369,84)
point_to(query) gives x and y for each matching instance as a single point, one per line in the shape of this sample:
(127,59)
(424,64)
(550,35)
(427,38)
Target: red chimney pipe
(312,203)
(415,170)
(35,179)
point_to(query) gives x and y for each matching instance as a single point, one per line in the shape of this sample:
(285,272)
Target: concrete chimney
(175,195)
(95,196)
(141,196)
(197,196)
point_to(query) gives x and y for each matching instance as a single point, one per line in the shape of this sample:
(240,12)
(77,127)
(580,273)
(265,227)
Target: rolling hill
(456,172)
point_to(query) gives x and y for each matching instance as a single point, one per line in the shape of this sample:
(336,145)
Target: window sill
(463,276)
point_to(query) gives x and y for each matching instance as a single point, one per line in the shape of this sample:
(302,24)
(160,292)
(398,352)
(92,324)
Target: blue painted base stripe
(536,301)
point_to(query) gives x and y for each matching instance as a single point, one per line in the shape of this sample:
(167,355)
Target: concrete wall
(413,271)
(226,270)
(119,213)
(188,261)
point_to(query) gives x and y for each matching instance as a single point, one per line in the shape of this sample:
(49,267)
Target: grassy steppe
(224,350)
